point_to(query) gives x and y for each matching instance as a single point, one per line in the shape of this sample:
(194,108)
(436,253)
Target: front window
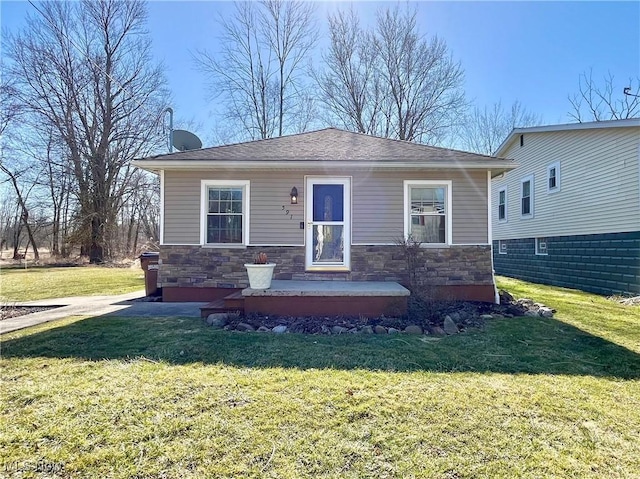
(427,215)
(225,212)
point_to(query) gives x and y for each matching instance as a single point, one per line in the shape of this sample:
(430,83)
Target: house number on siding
(287,212)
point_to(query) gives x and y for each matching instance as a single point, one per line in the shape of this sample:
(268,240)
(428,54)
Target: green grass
(169,397)
(45,282)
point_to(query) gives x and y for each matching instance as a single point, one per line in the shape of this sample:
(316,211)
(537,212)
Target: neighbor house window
(502,247)
(541,246)
(502,204)
(427,211)
(553,177)
(526,197)
(225,212)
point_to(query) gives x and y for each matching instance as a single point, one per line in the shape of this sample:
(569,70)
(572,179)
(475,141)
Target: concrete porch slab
(328,298)
(329,288)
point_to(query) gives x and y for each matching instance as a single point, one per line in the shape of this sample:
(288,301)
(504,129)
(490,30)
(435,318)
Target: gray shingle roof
(330,144)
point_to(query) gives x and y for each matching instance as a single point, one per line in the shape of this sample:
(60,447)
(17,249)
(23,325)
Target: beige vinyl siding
(377,205)
(599,184)
(181,207)
(269,192)
(378,202)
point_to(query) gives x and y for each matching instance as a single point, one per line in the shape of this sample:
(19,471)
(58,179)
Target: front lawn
(169,397)
(51,282)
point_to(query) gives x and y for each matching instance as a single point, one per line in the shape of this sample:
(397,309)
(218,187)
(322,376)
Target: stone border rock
(433,318)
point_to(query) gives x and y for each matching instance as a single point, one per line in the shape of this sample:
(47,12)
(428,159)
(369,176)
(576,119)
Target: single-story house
(570,214)
(325,205)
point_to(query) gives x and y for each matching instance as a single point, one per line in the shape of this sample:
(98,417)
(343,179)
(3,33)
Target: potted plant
(260,272)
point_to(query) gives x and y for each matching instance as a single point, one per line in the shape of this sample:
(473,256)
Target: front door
(328,232)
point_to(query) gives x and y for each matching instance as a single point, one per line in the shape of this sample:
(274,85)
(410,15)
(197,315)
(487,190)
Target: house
(325,205)
(570,214)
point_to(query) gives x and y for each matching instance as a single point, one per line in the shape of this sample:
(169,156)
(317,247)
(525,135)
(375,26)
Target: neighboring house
(357,195)
(570,214)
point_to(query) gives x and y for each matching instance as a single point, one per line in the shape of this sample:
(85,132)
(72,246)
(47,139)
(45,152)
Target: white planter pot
(260,275)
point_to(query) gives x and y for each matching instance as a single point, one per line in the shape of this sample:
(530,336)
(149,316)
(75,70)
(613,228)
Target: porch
(317,298)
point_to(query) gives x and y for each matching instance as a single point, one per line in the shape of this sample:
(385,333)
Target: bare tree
(13,170)
(85,70)
(21,198)
(604,101)
(390,80)
(484,130)
(350,85)
(259,66)
(425,83)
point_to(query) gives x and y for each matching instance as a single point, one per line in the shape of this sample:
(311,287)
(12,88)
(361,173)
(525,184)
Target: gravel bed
(8,312)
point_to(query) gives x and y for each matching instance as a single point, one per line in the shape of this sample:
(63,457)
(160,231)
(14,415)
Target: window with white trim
(502,204)
(553,177)
(541,246)
(526,197)
(502,247)
(224,213)
(427,211)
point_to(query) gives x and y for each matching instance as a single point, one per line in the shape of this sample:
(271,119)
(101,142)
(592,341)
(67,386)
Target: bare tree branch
(604,101)
(84,71)
(257,72)
(390,81)
(485,129)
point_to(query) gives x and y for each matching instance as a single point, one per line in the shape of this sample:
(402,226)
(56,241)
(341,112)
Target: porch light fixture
(294,195)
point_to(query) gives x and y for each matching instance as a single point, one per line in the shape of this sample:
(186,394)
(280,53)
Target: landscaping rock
(525,302)
(413,329)
(263,329)
(486,316)
(450,326)
(505,297)
(280,329)
(217,320)
(353,331)
(380,330)
(437,331)
(531,313)
(457,316)
(366,330)
(245,327)
(338,330)
(545,312)
(393,331)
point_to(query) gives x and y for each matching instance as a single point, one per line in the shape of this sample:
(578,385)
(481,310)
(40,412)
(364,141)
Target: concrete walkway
(119,305)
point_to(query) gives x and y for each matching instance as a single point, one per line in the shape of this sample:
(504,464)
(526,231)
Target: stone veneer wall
(198,267)
(600,263)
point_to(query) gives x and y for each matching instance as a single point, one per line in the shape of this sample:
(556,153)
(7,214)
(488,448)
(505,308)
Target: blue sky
(533,52)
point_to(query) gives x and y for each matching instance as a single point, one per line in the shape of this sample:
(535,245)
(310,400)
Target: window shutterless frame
(447,201)
(234,208)
(502,205)
(527,189)
(553,177)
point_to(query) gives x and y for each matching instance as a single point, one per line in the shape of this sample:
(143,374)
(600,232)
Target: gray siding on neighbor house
(599,183)
(377,204)
(601,263)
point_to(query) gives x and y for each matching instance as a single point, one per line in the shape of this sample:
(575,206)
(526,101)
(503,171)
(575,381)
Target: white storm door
(328,228)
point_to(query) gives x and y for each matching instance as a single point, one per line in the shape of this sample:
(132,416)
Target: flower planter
(260,275)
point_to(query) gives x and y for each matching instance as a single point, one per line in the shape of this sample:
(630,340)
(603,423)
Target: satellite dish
(184,140)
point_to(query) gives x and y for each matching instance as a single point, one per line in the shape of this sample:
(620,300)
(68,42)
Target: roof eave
(625,123)
(499,166)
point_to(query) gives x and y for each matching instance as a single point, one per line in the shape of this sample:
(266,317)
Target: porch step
(328,298)
(235,301)
(231,303)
